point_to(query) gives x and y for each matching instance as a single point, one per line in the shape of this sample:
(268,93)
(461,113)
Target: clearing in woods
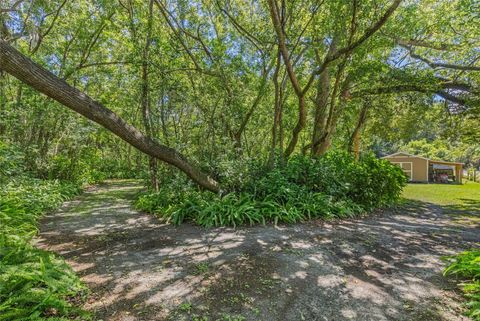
(383,267)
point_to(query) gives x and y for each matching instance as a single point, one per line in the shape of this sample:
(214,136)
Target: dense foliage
(210,79)
(34,284)
(334,186)
(466,266)
(236,90)
(423,128)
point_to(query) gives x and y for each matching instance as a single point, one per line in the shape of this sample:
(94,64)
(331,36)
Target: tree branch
(435,65)
(283,47)
(254,40)
(368,33)
(12,8)
(424,44)
(31,73)
(410,88)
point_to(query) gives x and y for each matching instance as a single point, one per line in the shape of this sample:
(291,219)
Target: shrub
(466,266)
(11,162)
(84,166)
(369,182)
(34,284)
(334,186)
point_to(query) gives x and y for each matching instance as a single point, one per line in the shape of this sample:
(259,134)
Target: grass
(444,194)
(463,202)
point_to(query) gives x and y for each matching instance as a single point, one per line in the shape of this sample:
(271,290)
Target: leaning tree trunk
(27,71)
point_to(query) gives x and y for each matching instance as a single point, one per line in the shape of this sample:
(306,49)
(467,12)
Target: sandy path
(385,267)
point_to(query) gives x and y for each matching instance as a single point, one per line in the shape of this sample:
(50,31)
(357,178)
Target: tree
(22,68)
(224,81)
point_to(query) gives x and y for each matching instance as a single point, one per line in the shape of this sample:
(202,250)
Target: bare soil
(383,267)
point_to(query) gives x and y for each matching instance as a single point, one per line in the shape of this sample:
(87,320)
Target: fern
(466,266)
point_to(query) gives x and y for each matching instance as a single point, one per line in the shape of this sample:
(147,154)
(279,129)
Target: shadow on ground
(384,267)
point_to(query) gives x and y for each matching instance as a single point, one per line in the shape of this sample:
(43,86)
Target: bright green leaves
(335,186)
(34,284)
(466,267)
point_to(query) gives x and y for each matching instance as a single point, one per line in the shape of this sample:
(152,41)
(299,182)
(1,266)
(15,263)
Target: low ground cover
(34,284)
(334,186)
(466,267)
(444,194)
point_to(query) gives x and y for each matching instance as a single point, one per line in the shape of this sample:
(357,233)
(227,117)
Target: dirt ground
(384,267)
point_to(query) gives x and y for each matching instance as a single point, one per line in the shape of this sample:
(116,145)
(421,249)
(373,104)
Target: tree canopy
(204,85)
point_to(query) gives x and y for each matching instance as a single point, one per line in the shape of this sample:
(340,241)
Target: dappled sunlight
(379,268)
(330,281)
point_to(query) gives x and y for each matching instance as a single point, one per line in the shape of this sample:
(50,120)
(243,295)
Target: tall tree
(22,68)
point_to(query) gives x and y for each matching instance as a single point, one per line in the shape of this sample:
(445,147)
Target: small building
(424,170)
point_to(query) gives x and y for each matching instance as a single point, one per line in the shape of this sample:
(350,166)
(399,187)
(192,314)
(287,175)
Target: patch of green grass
(461,201)
(201,268)
(185,307)
(444,194)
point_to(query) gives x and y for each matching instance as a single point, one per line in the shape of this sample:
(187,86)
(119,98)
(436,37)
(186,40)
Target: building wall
(419,166)
(459,173)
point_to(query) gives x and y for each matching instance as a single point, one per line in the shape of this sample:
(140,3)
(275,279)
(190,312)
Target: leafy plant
(335,186)
(34,284)
(466,266)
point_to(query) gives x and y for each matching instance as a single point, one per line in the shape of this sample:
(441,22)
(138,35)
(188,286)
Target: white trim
(406,170)
(394,155)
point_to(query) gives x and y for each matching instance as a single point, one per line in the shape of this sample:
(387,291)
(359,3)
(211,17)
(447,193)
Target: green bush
(85,166)
(34,284)
(11,162)
(334,186)
(466,266)
(89,168)
(369,182)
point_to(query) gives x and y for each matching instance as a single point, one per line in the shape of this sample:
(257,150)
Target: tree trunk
(27,71)
(302,119)
(147,122)
(237,135)
(354,142)
(321,103)
(278,20)
(276,113)
(334,109)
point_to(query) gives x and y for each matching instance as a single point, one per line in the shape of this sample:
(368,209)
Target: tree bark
(278,22)
(29,72)
(147,122)
(354,142)
(321,103)
(276,112)
(330,113)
